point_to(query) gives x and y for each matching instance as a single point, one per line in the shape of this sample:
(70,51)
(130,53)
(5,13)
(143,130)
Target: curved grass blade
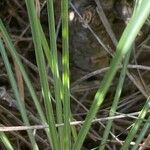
(5,141)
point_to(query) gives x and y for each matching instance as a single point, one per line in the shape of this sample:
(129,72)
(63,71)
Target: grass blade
(55,69)
(42,72)
(142,134)
(115,101)
(65,75)
(5,141)
(136,125)
(122,48)
(20,102)
(24,74)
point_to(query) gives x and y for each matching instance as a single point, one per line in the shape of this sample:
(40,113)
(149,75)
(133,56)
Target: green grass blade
(49,58)
(123,47)
(115,101)
(65,75)
(20,102)
(45,46)
(5,141)
(136,125)
(24,74)
(54,68)
(142,134)
(42,72)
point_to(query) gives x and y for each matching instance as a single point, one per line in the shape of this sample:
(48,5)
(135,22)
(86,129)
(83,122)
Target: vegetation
(55,116)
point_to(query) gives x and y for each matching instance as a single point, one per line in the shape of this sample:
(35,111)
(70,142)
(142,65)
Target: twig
(99,71)
(74,123)
(106,22)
